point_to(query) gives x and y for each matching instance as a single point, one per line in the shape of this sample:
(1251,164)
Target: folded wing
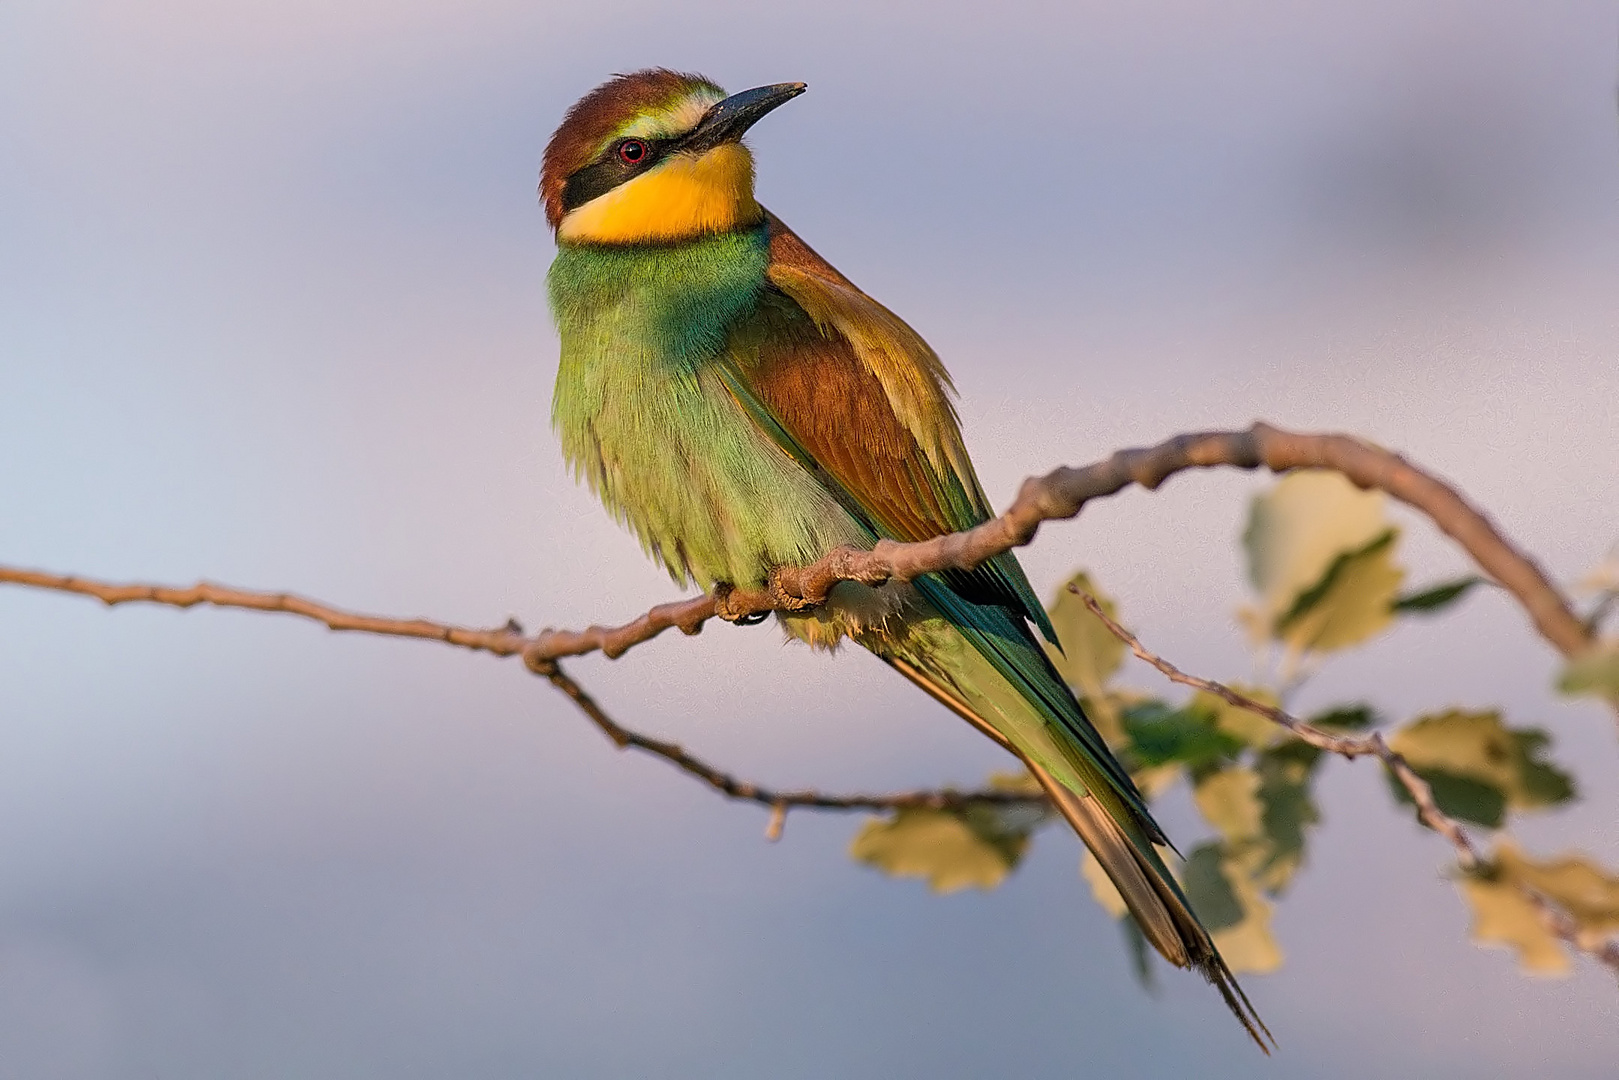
(868,405)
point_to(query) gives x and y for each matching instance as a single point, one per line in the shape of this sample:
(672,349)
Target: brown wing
(863,394)
(816,385)
(865,398)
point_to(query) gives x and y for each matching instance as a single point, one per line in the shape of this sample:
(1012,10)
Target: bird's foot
(782,598)
(724,608)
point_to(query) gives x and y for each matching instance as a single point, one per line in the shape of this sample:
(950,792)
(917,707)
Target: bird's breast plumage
(646,417)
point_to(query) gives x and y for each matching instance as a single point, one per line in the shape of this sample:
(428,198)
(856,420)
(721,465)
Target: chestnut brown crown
(601,114)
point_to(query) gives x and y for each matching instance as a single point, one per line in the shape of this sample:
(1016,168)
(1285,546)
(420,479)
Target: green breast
(644,417)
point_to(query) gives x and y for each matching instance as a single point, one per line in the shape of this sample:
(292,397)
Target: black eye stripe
(610,170)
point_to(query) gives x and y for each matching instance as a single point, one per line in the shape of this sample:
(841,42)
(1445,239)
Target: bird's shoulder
(862,400)
(861,388)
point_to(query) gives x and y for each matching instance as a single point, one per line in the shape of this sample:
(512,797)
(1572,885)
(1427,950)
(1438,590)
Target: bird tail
(1108,816)
(1155,900)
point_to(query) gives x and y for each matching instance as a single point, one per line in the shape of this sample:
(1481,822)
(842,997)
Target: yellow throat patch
(682,197)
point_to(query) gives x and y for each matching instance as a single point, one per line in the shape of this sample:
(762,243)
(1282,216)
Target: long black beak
(726,121)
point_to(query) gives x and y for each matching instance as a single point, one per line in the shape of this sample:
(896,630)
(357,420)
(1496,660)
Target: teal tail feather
(983,662)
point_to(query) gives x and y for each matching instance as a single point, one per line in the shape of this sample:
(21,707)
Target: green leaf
(1474,744)
(1594,672)
(1459,796)
(1241,723)
(1356,717)
(1208,891)
(1320,555)
(1300,525)
(1262,814)
(1090,654)
(1540,783)
(1288,812)
(1248,946)
(1160,734)
(1220,887)
(1229,800)
(1350,603)
(1503,915)
(1602,585)
(1585,891)
(1437,597)
(1312,597)
(952,849)
(1479,768)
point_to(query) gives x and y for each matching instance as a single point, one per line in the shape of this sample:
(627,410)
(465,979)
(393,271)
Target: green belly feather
(645,419)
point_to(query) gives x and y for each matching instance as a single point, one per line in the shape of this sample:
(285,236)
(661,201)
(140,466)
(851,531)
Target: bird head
(654,157)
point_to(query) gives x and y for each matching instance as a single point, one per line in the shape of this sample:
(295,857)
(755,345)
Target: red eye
(632,151)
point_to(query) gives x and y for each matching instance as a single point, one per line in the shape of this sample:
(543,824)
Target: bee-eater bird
(742,406)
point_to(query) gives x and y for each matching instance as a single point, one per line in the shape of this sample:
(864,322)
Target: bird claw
(722,607)
(784,600)
(780,600)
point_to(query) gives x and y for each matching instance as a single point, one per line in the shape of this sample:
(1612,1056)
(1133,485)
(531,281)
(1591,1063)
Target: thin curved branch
(1468,853)
(509,640)
(1063,493)
(779,800)
(1057,495)
(1349,746)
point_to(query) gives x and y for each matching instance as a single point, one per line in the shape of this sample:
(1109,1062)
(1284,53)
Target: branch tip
(1468,854)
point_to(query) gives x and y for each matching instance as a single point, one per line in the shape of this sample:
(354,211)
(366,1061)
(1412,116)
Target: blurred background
(272,313)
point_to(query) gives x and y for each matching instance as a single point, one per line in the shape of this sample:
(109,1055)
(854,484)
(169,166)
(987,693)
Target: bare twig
(778,800)
(1468,854)
(686,615)
(1349,746)
(509,640)
(1063,492)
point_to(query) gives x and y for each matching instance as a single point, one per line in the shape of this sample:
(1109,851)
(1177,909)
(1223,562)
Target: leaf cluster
(1323,562)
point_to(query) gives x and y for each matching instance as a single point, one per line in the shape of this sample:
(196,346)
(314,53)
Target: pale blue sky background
(271,312)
